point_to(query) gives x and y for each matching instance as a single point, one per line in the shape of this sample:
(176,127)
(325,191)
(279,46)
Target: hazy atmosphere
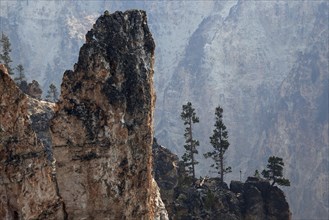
(264,62)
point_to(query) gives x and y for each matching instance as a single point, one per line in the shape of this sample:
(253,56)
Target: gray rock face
(41,112)
(166,173)
(207,198)
(261,201)
(241,62)
(300,131)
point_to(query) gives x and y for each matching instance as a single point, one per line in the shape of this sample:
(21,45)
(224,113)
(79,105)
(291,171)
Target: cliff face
(266,64)
(300,130)
(166,173)
(89,156)
(208,199)
(102,130)
(27,188)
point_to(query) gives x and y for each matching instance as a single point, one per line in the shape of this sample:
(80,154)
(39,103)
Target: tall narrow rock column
(102,131)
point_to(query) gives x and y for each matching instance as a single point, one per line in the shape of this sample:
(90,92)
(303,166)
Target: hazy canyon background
(264,62)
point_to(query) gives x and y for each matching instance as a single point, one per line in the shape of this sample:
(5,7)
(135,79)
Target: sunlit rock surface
(102,131)
(28,189)
(89,156)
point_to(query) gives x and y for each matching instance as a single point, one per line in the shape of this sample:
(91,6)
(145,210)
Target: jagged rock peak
(103,128)
(113,46)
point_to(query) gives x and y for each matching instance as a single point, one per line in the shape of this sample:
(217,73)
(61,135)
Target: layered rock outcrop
(102,131)
(207,198)
(27,188)
(89,156)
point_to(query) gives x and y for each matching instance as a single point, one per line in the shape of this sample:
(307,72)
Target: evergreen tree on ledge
(219,141)
(189,117)
(274,172)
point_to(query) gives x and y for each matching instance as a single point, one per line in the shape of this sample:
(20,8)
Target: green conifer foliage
(189,117)
(52,94)
(219,141)
(274,172)
(5,54)
(20,74)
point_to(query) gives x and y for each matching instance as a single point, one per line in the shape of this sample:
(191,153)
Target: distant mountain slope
(242,62)
(299,132)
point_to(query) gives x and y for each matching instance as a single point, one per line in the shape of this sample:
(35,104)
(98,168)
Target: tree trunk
(221,165)
(192,149)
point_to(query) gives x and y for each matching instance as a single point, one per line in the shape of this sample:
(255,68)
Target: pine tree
(5,55)
(275,171)
(52,94)
(219,141)
(21,75)
(189,117)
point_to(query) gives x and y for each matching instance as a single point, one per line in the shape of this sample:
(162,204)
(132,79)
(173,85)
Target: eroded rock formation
(102,131)
(89,156)
(27,188)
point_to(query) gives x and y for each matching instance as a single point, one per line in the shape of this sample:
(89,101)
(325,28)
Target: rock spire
(103,128)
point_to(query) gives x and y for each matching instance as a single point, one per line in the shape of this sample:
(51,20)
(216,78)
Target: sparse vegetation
(219,141)
(210,200)
(189,117)
(52,94)
(5,54)
(256,174)
(274,171)
(20,74)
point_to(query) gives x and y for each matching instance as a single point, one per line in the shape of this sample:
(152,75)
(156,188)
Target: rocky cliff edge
(93,157)
(207,198)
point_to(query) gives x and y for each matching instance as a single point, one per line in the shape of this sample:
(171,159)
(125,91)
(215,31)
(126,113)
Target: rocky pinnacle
(89,156)
(103,128)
